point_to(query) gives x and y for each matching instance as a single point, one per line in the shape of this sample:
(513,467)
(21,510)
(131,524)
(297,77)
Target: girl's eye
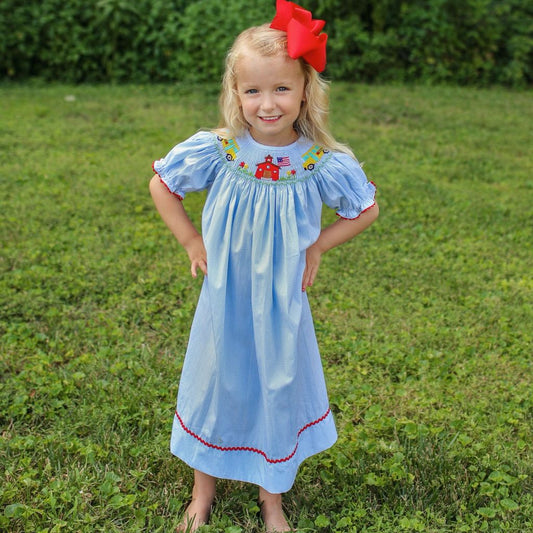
(282,89)
(251,91)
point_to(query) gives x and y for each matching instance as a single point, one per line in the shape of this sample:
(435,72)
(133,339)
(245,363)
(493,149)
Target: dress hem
(241,464)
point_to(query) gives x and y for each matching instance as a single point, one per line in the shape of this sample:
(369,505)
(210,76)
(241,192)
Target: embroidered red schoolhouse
(267,169)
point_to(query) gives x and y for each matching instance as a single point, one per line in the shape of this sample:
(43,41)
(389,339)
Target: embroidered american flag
(284,161)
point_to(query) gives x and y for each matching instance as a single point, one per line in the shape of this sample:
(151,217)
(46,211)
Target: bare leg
(203,494)
(271,509)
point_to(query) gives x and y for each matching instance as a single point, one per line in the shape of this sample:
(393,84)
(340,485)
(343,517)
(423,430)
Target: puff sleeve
(344,186)
(190,166)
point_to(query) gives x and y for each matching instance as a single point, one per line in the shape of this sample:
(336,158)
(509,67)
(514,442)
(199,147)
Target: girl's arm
(173,214)
(339,232)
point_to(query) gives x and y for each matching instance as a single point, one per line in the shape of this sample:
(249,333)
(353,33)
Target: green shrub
(357,54)
(476,42)
(209,28)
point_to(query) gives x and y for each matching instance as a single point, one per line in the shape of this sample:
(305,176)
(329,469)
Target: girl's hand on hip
(197,255)
(337,233)
(312,262)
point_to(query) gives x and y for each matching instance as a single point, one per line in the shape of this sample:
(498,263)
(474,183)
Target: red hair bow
(303,33)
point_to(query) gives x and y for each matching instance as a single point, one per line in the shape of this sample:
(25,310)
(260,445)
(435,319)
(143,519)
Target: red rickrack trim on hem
(248,448)
(179,197)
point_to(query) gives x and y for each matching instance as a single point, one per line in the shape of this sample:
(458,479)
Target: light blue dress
(252,401)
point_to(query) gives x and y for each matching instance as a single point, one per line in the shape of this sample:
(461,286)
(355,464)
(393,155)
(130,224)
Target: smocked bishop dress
(252,401)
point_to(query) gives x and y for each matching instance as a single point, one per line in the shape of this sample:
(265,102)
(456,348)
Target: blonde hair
(312,121)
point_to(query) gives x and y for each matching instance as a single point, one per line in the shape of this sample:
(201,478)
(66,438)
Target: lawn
(424,321)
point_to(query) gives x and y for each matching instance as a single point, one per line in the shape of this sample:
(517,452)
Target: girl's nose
(267,103)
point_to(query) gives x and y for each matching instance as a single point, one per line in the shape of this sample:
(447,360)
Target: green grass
(424,320)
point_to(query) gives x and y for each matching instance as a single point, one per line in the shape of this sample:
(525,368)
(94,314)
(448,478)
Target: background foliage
(457,41)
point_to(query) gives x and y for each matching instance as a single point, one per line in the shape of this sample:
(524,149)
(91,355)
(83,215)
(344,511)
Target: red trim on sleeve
(364,210)
(355,218)
(161,180)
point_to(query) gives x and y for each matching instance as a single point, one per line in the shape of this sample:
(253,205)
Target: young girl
(252,401)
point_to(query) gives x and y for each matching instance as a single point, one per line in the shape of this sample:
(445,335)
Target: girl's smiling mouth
(270,119)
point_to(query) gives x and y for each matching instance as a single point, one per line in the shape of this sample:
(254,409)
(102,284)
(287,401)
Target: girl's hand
(340,231)
(312,262)
(197,254)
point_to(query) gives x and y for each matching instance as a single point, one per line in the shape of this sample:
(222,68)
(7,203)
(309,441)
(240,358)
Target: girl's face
(271,91)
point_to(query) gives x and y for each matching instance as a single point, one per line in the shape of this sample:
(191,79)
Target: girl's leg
(271,509)
(203,494)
